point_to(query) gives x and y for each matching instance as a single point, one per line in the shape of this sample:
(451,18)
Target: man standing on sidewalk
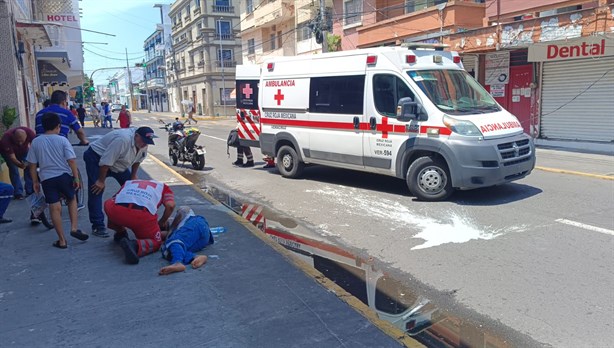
(117,154)
(135,206)
(59,105)
(14,147)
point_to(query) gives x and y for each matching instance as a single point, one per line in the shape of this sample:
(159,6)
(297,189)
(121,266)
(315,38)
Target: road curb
(343,295)
(572,172)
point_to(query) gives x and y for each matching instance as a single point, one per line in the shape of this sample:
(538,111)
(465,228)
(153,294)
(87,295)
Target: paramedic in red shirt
(135,206)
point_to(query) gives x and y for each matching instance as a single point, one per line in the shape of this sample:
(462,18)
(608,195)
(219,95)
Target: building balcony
(227,37)
(421,24)
(190,67)
(274,12)
(156,83)
(196,11)
(225,63)
(222,9)
(177,26)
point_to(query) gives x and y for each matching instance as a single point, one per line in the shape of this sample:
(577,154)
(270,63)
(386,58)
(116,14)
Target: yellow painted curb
(565,171)
(343,295)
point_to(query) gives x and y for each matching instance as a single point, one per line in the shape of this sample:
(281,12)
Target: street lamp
(223,94)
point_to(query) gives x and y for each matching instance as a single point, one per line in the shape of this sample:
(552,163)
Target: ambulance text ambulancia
(413,113)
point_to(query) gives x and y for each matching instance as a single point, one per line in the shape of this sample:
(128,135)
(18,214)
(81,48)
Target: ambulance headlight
(462,127)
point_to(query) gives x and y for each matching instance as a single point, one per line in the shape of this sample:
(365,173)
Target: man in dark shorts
(55,158)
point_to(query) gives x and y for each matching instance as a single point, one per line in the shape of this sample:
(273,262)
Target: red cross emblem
(247,90)
(385,127)
(143,184)
(279,97)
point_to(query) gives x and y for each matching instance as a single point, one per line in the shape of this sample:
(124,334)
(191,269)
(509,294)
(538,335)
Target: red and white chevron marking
(252,213)
(249,123)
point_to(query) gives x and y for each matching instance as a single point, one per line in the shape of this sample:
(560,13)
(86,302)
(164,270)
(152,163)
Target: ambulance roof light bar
(424,46)
(270,66)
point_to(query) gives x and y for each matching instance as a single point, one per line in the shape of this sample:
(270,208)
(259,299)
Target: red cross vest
(146,193)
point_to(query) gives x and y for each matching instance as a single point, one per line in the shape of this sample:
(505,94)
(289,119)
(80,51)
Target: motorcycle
(182,145)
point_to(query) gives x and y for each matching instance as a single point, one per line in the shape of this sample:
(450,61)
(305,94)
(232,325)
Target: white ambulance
(408,112)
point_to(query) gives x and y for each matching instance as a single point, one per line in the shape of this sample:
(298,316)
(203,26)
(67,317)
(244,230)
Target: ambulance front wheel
(428,179)
(288,163)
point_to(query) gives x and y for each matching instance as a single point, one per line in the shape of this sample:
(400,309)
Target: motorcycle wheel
(198,162)
(173,157)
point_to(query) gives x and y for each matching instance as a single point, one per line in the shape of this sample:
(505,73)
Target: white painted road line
(585,226)
(210,136)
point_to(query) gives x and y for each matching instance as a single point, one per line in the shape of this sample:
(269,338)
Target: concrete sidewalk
(249,294)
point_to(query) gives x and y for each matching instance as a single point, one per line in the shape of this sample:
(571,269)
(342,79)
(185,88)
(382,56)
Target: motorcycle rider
(177,125)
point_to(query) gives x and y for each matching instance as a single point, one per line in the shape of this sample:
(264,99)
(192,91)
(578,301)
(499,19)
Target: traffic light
(92,85)
(144,65)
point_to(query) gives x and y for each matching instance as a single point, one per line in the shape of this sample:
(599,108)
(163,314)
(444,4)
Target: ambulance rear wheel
(428,179)
(288,163)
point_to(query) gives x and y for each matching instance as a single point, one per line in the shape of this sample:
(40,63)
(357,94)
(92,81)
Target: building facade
(205,50)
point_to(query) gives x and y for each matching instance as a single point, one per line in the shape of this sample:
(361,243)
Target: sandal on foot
(79,235)
(58,245)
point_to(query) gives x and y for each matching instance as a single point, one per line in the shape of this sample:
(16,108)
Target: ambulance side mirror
(407,110)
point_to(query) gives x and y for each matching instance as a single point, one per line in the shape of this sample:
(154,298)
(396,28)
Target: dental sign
(584,47)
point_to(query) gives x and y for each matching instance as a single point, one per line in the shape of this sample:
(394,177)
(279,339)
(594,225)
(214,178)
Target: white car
(116,107)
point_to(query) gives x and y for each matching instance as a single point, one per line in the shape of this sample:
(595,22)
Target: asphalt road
(535,256)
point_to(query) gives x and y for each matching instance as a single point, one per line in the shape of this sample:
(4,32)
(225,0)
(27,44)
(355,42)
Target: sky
(131,21)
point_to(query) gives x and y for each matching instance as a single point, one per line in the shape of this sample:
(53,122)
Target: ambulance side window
(337,95)
(387,90)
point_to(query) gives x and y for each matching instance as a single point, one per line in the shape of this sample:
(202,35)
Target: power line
(122,59)
(129,53)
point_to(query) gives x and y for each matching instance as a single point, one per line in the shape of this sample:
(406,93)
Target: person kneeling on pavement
(189,233)
(135,207)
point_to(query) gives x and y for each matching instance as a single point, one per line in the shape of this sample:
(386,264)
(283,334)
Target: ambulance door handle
(373,123)
(356,122)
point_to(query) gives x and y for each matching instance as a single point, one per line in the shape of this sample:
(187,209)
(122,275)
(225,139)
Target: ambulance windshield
(454,92)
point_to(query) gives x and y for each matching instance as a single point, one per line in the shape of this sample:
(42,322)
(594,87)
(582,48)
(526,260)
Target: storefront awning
(50,75)
(35,32)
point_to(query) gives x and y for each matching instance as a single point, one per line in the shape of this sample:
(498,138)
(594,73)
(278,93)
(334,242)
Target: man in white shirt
(118,154)
(95,114)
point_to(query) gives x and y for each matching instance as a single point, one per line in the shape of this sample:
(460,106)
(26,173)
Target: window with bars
(223,30)
(304,32)
(352,11)
(249,6)
(272,41)
(417,5)
(251,46)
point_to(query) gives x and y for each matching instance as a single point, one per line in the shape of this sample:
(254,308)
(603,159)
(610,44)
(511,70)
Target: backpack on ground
(233,140)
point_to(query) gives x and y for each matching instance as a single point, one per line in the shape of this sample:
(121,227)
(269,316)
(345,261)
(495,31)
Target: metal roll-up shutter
(578,100)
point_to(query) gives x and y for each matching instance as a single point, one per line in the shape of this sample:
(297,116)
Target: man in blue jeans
(6,193)
(118,154)
(14,147)
(189,233)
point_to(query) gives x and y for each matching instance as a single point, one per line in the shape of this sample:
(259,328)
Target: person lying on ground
(189,233)
(58,173)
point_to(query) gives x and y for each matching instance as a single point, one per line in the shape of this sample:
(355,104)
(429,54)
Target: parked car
(116,107)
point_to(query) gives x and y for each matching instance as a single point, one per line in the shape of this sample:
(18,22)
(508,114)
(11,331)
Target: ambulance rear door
(248,112)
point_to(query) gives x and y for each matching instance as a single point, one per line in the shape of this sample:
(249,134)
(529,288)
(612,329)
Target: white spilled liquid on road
(454,229)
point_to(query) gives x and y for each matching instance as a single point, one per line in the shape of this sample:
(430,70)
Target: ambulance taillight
(456,59)
(371,60)
(410,59)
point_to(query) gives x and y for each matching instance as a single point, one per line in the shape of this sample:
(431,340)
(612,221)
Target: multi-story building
(205,51)
(279,28)
(20,36)
(119,87)
(156,46)
(61,65)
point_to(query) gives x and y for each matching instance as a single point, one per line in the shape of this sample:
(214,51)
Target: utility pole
(323,25)
(223,96)
(130,83)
